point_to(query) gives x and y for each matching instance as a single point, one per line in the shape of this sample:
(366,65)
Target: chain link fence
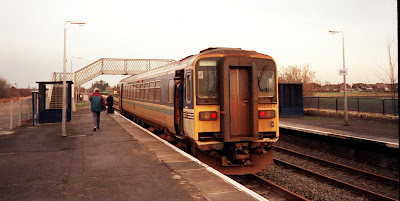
(16,113)
(384,106)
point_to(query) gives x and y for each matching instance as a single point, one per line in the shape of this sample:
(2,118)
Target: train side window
(152,90)
(141,91)
(133,91)
(137,91)
(171,90)
(188,87)
(129,92)
(158,91)
(146,91)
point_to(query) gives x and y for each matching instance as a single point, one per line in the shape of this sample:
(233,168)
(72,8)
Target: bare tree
(4,88)
(299,74)
(388,73)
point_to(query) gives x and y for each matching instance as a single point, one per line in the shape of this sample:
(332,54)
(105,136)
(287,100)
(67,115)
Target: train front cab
(237,106)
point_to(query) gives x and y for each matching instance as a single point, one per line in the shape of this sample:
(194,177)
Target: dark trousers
(96,119)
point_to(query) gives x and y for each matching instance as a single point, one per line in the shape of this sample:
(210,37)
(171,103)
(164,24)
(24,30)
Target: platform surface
(118,162)
(371,130)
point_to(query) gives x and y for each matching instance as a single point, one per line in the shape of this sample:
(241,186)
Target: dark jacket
(110,101)
(97,102)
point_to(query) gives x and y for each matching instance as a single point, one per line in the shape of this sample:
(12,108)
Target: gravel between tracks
(311,188)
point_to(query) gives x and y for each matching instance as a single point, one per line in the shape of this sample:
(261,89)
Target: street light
(64,107)
(344,72)
(73,80)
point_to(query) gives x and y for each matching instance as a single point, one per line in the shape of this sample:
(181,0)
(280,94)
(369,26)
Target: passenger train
(226,113)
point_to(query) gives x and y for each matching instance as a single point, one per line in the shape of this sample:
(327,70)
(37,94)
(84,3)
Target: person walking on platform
(110,102)
(97,104)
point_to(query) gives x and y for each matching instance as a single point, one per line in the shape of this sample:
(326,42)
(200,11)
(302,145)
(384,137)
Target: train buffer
(117,162)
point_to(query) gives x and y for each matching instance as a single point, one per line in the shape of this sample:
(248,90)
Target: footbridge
(103,66)
(111,66)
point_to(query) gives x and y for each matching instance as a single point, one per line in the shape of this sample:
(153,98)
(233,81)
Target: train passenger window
(134,92)
(141,91)
(171,87)
(137,91)
(152,90)
(157,96)
(146,91)
(188,87)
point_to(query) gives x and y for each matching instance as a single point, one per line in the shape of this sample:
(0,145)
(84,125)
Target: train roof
(190,59)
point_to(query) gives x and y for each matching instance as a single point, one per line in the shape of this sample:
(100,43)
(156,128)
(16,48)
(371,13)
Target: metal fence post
(383,107)
(358,105)
(33,109)
(11,115)
(20,112)
(336,105)
(318,102)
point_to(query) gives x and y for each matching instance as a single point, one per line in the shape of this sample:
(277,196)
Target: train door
(239,88)
(120,95)
(178,102)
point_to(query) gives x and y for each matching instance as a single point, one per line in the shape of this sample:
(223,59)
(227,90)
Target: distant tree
(389,71)
(299,74)
(4,88)
(102,85)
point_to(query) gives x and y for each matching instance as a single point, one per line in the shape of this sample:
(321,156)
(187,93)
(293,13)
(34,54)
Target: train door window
(146,91)
(129,92)
(124,89)
(152,90)
(171,87)
(141,91)
(158,91)
(188,87)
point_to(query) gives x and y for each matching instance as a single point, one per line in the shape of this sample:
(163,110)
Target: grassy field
(356,94)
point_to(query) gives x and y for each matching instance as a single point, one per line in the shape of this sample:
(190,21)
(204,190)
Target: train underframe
(236,158)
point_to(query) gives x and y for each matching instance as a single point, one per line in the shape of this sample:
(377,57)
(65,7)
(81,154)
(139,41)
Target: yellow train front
(221,105)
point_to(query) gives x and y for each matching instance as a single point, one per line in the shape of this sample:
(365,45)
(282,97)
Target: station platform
(120,161)
(381,132)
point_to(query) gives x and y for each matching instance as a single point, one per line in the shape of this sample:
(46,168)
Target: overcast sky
(293,32)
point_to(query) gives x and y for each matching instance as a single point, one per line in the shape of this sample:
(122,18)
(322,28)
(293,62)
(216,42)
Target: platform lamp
(344,73)
(73,80)
(64,107)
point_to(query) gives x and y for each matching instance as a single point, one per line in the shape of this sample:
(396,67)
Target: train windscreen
(207,82)
(267,81)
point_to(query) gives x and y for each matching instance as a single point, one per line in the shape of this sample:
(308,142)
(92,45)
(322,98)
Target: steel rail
(386,180)
(335,182)
(276,188)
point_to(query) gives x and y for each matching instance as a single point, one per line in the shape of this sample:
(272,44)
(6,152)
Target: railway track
(267,188)
(351,179)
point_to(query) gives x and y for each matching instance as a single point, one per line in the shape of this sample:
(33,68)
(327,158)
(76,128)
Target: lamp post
(64,107)
(73,80)
(344,73)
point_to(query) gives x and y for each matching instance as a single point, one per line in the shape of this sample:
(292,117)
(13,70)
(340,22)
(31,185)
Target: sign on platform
(343,71)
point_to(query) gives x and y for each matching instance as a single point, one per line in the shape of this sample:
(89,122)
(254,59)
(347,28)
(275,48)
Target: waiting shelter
(50,101)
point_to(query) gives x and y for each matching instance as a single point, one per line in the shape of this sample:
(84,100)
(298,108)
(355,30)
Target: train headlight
(208,116)
(266,114)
